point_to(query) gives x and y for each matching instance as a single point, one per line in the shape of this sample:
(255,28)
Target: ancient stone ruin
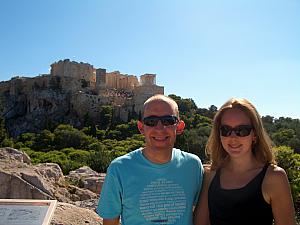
(71,92)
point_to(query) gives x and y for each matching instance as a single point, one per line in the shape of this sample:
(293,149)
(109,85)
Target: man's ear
(180,127)
(140,126)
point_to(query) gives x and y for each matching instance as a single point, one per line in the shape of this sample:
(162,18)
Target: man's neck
(157,156)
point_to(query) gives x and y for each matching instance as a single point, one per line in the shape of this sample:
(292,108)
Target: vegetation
(96,145)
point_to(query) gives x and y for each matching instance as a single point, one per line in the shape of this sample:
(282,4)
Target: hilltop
(72,93)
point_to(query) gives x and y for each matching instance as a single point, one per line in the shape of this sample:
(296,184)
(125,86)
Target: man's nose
(160,125)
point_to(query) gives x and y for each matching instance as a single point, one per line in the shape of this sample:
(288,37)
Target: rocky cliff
(71,93)
(77,193)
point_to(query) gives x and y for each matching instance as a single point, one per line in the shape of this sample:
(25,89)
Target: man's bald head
(161,98)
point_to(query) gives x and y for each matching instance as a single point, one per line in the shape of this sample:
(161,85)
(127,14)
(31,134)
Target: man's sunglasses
(240,131)
(152,121)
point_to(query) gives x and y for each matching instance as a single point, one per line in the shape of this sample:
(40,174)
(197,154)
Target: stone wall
(66,68)
(86,104)
(25,85)
(148,79)
(142,93)
(120,81)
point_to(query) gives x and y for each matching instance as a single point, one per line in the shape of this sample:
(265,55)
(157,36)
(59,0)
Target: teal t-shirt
(145,193)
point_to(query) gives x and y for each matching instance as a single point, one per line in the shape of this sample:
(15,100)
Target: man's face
(159,137)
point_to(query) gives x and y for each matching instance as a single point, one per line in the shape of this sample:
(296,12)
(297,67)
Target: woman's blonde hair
(262,147)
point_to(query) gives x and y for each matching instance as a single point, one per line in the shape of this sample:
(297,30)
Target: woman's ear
(180,127)
(254,139)
(140,126)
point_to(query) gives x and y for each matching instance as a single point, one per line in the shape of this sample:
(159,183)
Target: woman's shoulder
(275,173)
(276,191)
(208,169)
(275,179)
(209,173)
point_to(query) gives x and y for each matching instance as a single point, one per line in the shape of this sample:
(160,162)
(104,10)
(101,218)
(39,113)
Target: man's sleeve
(200,180)
(110,202)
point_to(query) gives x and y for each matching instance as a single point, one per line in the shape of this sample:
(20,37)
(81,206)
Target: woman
(243,185)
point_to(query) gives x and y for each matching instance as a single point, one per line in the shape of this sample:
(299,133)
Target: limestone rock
(21,180)
(51,171)
(81,194)
(67,214)
(87,178)
(13,154)
(42,181)
(15,187)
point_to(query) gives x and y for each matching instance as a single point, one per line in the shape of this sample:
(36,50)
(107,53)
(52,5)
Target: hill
(73,93)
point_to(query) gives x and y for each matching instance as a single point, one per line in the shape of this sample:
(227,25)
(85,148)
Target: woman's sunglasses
(152,121)
(240,131)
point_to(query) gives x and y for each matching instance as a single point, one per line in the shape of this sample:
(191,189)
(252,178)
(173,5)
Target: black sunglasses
(240,131)
(152,121)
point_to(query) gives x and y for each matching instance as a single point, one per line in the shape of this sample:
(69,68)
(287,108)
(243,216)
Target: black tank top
(242,206)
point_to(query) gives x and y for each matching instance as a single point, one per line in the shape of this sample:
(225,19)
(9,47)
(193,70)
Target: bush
(290,162)
(100,158)
(67,136)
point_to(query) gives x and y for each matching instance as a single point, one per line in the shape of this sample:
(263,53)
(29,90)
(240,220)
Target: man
(157,184)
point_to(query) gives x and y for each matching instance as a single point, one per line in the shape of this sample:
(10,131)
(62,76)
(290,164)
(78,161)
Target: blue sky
(205,50)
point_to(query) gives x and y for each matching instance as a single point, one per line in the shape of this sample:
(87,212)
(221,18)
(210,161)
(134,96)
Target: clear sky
(205,50)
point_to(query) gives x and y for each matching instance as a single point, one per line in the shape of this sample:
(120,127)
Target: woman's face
(236,133)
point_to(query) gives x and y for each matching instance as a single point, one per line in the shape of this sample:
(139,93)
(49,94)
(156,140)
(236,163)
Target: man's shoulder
(127,157)
(186,156)
(189,161)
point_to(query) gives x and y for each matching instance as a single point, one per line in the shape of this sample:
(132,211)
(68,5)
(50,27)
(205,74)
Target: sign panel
(26,211)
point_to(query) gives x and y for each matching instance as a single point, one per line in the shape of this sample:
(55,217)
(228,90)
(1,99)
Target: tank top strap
(262,173)
(216,178)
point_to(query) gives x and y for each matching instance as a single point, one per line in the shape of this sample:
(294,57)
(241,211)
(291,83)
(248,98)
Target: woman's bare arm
(277,192)
(201,213)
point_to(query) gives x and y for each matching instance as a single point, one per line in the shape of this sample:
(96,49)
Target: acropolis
(76,90)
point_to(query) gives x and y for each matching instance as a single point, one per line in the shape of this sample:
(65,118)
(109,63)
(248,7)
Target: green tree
(100,157)
(283,136)
(106,116)
(44,141)
(80,156)
(194,141)
(28,139)
(67,136)
(113,134)
(290,162)
(210,112)
(100,134)
(3,132)
(124,130)
(268,122)
(87,120)
(201,121)
(186,106)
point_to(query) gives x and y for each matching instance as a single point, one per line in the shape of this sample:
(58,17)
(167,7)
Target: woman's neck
(242,165)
